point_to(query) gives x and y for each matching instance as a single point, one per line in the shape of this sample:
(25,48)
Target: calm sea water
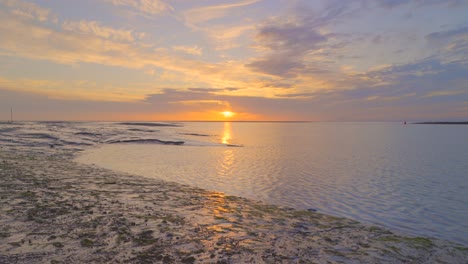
(412,178)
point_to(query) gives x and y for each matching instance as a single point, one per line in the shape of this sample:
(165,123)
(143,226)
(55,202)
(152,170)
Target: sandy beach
(54,210)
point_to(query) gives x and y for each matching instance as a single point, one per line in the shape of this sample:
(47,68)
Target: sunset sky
(323,60)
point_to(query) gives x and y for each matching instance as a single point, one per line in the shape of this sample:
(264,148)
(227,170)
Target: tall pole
(11,114)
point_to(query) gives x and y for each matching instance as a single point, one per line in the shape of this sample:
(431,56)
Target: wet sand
(54,210)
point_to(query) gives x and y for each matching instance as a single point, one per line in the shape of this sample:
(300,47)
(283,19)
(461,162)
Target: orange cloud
(195,50)
(27,10)
(94,28)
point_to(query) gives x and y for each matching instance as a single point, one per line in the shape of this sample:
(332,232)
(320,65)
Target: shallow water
(411,178)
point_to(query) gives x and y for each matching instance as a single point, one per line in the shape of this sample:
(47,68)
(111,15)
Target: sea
(410,178)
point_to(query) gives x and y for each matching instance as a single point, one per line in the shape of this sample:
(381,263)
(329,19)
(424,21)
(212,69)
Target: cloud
(443,36)
(391,103)
(94,28)
(27,10)
(38,42)
(192,50)
(416,83)
(199,102)
(299,70)
(388,104)
(152,7)
(392,3)
(66,90)
(22,38)
(396,3)
(226,37)
(203,14)
(289,42)
(284,65)
(27,83)
(446,93)
(297,95)
(212,90)
(290,37)
(36,106)
(246,107)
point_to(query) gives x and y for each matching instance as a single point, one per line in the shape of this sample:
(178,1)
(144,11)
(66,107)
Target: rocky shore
(54,210)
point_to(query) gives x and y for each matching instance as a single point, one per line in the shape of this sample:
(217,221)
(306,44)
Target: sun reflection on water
(226,133)
(226,161)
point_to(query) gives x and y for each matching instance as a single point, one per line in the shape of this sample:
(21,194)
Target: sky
(160,60)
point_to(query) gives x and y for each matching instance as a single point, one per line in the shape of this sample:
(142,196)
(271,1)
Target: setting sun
(227,114)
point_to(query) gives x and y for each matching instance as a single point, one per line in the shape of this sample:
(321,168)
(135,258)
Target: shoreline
(442,123)
(55,210)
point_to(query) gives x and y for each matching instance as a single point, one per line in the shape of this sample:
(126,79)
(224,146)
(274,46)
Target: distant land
(443,123)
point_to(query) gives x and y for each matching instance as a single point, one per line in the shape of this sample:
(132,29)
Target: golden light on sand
(227,114)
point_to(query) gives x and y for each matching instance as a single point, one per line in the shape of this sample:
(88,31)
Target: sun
(227,114)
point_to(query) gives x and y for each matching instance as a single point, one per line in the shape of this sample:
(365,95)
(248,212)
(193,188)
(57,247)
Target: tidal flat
(54,210)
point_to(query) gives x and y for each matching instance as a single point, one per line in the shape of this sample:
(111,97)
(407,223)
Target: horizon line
(233,121)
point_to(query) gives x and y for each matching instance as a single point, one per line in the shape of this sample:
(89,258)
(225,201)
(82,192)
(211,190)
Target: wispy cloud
(396,3)
(76,89)
(200,102)
(28,40)
(152,7)
(297,95)
(227,37)
(327,59)
(203,14)
(94,28)
(27,10)
(192,50)
(223,36)
(445,93)
(439,36)
(212,90)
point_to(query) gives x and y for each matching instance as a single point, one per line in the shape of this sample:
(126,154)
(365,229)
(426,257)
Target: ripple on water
(410,178)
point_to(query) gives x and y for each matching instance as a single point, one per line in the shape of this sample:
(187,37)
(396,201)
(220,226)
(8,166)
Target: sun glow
(227,114)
